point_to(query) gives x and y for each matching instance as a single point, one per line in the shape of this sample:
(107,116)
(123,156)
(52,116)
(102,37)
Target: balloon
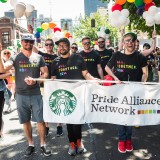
(18,14)
(140,12)
(107,31)
(20,7)
(28,14)
(122,19)
(67,35)
(29,8)
(141,7)
(37,35)
(138,3)
(38,40)
(127,22)
(52,25)
(39,29)
(125,12)
(145,14)
(153,10)
(56,29)
(148,5)
(3,1)
(115,23)
(157,18)
(147,1)
(102,29)
(45,26)
(13,3)
(116,7)
(115,14)
(149,19)
(120,2)
(131,1)
(150,24)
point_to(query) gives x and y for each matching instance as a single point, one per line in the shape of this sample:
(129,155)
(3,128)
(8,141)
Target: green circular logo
(62,102)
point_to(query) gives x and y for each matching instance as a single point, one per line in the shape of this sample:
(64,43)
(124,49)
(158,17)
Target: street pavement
(100,141)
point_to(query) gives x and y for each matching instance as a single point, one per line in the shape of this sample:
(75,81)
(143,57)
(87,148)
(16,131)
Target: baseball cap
(134,36)
(63,40)
(27,36)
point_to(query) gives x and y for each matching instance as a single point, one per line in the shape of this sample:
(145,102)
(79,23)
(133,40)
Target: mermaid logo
(62,102)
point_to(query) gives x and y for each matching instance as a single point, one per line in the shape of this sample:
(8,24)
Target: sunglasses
(100,42)
(28,41)
(48,44)
(74,47)
(128,41)
(6,52)
(87,43)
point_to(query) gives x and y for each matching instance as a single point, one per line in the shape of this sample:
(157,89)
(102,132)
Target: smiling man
(130,65)
(29,65)
(68,66)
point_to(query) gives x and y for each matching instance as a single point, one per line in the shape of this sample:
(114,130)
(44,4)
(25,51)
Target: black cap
(63,40)
(134,36)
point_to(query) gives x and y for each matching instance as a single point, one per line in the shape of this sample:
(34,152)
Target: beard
(64,52)
(28,48)
(101,46)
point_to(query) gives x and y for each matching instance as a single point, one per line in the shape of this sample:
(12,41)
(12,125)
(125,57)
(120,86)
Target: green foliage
(137,22)
(83,28)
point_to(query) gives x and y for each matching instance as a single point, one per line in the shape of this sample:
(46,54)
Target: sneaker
(129,146)
(7,110)
(29,151)
(72,149)
(122,146)
(47,131)
(59,131)
(45,152)
(80,147)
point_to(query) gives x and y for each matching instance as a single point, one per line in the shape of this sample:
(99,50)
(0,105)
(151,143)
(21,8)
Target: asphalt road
(100,141)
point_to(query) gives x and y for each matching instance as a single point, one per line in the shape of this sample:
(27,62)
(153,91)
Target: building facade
(10,31)
(91,6)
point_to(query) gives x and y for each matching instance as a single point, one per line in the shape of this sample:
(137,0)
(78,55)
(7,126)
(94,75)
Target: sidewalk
(100,141)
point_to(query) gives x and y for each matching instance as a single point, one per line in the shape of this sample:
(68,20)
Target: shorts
(29,108)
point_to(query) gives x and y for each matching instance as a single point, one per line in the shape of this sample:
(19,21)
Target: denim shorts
(29,108)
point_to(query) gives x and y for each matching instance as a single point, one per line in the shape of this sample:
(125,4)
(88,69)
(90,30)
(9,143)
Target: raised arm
(149,51)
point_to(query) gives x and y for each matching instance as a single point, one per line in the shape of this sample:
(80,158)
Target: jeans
(124,132)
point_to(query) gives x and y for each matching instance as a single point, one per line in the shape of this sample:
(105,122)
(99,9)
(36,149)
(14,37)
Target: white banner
(124,104)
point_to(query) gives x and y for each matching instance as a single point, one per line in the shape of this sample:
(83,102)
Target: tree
(137,21)
(83,28)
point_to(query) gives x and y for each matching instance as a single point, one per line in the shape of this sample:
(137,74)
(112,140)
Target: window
(5,38)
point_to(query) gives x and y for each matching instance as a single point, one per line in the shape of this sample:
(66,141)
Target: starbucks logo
(62,102)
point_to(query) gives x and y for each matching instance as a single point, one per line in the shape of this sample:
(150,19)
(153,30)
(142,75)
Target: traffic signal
(92,22)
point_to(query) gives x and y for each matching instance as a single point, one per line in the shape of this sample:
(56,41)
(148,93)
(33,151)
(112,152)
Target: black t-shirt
(128,67)
(105,57)
(92,59)
(48,59)
(68,68)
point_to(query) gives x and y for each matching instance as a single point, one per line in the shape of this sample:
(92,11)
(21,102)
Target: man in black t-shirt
(104,53)
(49,56)
(127,66)
(70,67)
(92,59)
